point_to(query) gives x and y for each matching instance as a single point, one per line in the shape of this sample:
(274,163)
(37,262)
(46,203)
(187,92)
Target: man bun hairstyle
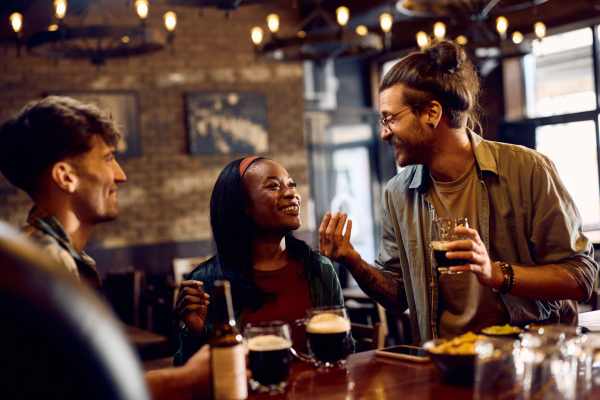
(47,131)
(442,72)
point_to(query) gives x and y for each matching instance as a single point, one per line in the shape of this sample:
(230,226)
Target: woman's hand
(334,242)
(191,306)
(472,249)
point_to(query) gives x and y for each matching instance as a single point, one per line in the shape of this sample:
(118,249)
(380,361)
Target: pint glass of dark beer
(269,355)
(328,334)
(443,233)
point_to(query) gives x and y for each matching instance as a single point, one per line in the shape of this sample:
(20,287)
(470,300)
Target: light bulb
(540,29)
(16,21)
(439,30)
(362,30)
(256,34)
(273,22)
(461,40)
(142,8)
(170,20)
(502,25)
(385,22)
(52,27)
(342,14)
(422,39)
(60,8)
(517,37)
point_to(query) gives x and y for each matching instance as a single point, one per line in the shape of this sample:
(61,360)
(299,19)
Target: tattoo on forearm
(379,286)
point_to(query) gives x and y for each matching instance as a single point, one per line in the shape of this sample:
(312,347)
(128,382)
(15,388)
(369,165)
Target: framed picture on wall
(123,106)
(226,123)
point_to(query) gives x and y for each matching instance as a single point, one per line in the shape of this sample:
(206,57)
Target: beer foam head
(328,323)
(268,343)
(439,245)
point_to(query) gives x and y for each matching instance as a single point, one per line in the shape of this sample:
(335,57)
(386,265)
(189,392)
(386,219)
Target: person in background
(528,259)
(254,208)
(61,152)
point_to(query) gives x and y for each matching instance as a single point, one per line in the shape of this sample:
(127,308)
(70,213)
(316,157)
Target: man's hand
(192,305)
(198,367)
(472,248)
(334,242)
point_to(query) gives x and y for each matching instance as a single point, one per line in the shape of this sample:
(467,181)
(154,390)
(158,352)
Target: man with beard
(527,259)
(61,152)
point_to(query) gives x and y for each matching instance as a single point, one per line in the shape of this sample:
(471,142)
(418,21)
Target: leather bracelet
(508,275)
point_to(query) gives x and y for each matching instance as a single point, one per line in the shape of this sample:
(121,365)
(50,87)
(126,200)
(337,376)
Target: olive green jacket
(526,217)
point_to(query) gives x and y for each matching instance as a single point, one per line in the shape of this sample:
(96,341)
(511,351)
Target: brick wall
(166,198)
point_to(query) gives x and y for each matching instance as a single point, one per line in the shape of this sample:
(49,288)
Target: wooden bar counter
(367,376)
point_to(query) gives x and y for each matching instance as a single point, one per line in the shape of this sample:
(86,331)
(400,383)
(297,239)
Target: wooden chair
(124,291)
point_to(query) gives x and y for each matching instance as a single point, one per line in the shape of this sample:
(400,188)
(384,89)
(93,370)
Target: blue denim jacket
(323,282)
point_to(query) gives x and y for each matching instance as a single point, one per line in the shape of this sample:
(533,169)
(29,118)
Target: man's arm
(382,286)
(379,285)
(188,382)
(565,268)
(538,282)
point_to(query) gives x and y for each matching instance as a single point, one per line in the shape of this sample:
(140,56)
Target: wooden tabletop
(369,377)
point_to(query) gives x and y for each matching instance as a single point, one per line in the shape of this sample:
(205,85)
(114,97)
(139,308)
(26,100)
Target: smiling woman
(255,207)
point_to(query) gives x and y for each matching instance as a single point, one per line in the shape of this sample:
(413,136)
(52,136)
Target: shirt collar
(484,160)
(47,223)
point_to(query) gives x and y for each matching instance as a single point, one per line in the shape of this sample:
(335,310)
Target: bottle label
(229,373)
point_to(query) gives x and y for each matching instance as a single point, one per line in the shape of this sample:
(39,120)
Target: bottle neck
(223,304)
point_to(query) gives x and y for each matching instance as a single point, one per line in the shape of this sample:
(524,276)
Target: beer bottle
(227,353)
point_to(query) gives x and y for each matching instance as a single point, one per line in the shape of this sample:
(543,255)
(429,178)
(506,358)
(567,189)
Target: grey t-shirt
(465,304)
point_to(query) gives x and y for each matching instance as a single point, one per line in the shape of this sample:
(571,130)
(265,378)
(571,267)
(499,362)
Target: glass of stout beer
(328,334)
(443,233)
(269,355)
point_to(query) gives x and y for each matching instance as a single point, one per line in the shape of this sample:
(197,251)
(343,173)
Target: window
(561,74)
(576,162)
(561,99)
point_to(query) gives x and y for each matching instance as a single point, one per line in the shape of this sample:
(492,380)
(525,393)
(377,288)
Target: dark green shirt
(323,284)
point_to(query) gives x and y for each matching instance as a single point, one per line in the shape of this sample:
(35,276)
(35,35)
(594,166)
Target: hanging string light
(461,40)
(273,23)
(170,20)
(439,30)
(386,21)
(256,34)
(502,26)
(60,8)
(16,22)
(517,37)
(142,8)
(540,29)
(342,15)
(422,39)
(362,30)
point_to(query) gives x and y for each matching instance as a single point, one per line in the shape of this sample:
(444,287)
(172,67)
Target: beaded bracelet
(509,278)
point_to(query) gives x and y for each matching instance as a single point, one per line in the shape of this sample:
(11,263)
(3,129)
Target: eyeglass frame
(390,118)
